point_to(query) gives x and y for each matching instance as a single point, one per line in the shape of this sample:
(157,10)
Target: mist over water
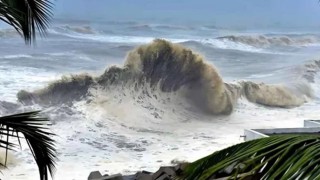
(122,101)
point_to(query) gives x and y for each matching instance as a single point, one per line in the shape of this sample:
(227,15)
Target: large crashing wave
(266,41)
(310,70)
(168,68)
(173,68)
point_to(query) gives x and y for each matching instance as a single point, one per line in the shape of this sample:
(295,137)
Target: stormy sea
(127,96)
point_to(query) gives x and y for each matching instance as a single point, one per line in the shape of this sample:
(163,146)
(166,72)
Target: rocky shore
(164,173)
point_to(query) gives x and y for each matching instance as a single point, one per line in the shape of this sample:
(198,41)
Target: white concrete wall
(250,134)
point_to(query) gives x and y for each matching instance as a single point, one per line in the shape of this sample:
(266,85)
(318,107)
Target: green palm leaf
(276,157)
(31,127)
(27,16)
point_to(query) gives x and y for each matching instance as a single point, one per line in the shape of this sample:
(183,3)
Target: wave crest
(310,70)
(65,90)
(271,95)
(265,41)
(171,67)
(78,29)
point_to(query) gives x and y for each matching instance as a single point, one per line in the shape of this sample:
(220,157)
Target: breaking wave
(88,33)
(248,43)
(266,41)
(222,44)
(77,29)
(163,68)
(310,70)
(156,27)
(141,27)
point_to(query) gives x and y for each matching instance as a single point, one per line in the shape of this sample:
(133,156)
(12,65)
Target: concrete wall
(250,134)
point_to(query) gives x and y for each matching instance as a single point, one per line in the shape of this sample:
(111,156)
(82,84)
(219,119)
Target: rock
(179,168)
(146,172)
(113,177)
(144,175)
(169,171)
(164,173)
(95,175)
(129,177)
(164,177)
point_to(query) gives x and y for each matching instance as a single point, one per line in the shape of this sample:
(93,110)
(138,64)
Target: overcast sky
(218,12)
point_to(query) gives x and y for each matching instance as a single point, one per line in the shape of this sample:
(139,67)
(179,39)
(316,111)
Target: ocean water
(121,125)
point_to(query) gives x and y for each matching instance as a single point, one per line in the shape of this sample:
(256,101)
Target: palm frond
(27,16)
(276,157)
(31,126)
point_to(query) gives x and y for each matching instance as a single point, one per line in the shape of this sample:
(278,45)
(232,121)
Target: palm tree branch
(27,16)
(31,126)
(276,157)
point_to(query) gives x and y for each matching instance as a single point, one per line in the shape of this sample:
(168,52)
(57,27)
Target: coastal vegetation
(277,157)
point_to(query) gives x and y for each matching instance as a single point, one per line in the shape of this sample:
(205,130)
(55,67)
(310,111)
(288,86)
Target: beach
(112,113)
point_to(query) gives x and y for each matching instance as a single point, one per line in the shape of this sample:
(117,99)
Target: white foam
(316,86)
(16,56)
(217,43)
(122,131)
(258,76)
(105,137)
(17,78)
(112,38)
(225,44)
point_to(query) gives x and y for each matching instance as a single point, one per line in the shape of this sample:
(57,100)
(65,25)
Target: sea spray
(65,90)
(164,67)
(173,67)
(271,95)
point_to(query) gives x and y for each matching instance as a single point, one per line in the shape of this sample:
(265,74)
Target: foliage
(27,16)
(276,157)
(39,140)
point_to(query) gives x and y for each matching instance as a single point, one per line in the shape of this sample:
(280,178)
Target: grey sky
(296,13)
